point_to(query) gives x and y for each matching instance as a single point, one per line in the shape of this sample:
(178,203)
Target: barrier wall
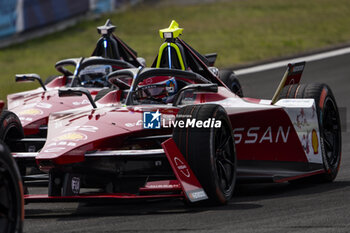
(7,17)
(23,15)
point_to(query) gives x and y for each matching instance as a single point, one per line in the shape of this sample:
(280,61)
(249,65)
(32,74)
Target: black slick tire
(210,151)
(11,194)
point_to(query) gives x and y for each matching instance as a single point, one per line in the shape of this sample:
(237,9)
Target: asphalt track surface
(254,208)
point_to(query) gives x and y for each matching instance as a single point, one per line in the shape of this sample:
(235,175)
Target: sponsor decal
(14,104)
(182,167)
(54,150)
(314,141)
(25,119)
(303,115)
(62,143)
(138,123)
(86,128)
(75,185)
(74,136)
(302,119)
(9,119)
(291,82)
(32,148)
(84,102)
(48,155)
(304,139)
(151,120)
(58,124)
(197,195)
(163,186)
(298,68)
(324,156)
(43,105)
(261,135)
(38,105)
(31,111)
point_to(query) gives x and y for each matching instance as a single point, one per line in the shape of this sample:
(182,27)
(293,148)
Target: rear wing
(291,76)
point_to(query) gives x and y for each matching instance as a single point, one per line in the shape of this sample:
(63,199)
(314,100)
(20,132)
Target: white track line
(283,63)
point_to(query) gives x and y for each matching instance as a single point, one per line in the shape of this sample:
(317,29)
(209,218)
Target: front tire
(210,152)
(11,194)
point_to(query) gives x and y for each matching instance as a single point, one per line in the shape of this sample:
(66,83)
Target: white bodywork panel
(303,115)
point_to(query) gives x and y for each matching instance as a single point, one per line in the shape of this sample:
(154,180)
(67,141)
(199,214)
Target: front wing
(186,186)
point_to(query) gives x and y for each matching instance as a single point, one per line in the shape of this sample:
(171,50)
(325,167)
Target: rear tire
(210,152)
(329,123)
(11,193)
(229,78)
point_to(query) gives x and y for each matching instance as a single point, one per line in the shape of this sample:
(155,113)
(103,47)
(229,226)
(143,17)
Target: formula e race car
(177,132)
(31,109)
(11,192)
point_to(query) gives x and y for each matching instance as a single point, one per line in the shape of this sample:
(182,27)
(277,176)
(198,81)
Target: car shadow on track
(86,210)
(244,198)
(255,192)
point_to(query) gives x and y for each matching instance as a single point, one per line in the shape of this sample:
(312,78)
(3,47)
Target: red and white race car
(31,109)
(174,132)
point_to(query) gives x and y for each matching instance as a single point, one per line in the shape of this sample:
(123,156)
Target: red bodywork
(34,107)
(108,146)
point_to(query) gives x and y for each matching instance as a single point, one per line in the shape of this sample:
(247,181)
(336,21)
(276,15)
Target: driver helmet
(95,75)
(161,87)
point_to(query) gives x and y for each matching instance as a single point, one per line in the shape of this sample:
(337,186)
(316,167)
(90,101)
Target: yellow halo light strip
(177,52)
(173,31)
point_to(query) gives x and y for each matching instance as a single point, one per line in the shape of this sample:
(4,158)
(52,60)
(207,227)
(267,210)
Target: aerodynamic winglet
(189,183)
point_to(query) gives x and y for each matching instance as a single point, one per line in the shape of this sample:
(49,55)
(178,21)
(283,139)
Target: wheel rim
(331,132)
(8,202)
(224,159)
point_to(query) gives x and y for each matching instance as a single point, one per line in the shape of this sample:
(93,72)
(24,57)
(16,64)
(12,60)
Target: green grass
(240,31)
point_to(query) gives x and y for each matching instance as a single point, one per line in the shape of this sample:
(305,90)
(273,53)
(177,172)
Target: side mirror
(30,78)
(141,60)
(210,87)
(211,58)
(76,91)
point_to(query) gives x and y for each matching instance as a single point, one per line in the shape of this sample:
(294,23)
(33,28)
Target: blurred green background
(240,31)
